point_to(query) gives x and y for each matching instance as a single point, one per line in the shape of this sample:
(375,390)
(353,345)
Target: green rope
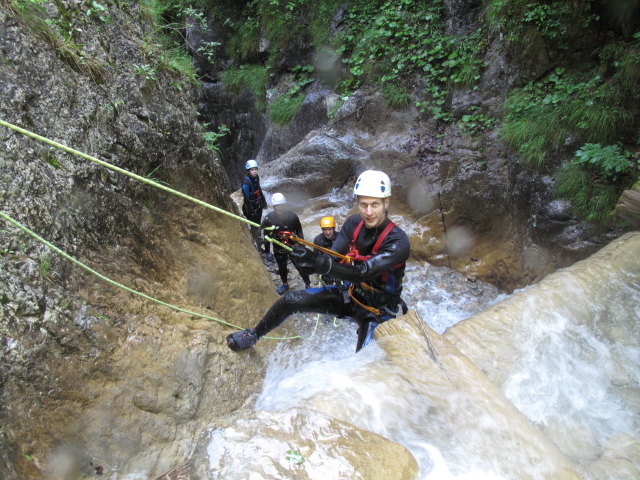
(133,175)
(130,290)
(154,184)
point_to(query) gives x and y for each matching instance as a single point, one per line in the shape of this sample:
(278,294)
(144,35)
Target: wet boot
(363,330)
(242,340)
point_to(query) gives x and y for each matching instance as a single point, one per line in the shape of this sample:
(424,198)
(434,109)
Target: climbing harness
(353,251)
(366,286)
(352,255)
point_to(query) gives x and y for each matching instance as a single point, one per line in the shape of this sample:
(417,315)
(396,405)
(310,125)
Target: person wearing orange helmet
(326,239)
(370,292)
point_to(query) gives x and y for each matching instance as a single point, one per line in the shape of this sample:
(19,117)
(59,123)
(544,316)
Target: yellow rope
(154,184)
(133,175)
(131,290)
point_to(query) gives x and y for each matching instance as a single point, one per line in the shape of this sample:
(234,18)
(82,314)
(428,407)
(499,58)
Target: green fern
(594,180)
(282,109)
(396,96)
(249,77)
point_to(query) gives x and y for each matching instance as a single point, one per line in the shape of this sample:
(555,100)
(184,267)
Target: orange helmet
(327,222)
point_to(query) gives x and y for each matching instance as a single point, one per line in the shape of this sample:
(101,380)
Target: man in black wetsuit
(326,239)
(254,201)
(277,223)
(372,284)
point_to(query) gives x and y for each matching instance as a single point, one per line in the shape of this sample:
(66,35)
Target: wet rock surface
(568,326)
(92,376)
(297,445)
(95,381)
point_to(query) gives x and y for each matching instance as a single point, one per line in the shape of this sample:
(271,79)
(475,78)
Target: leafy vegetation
(251,77)
(390,43)
(381,43)
(166,50)
(145,71)
(594,179)
(280,22)
(60,32)
(283,108)
(211,138)
(397,96)
(578,106)
(524,20)
(401,48)
(99,11)
(476,123)
(594,108)
(209,50)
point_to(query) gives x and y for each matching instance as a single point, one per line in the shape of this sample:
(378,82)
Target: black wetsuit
(253,204)
(287,221)
(325,242)
(383,271)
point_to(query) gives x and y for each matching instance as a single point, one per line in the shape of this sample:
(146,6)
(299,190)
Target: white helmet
(278,199)
(373,183)
(250,164)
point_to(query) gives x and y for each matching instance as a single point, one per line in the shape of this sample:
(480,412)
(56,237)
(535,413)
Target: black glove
(322,264)
(325,265)
(301,253)
(303,259)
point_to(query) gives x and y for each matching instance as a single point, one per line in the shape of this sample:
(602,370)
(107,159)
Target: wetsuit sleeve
(246,192)
(266,222)
(297,227)
(392,252)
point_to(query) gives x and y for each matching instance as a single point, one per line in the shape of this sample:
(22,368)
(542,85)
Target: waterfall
(551,393)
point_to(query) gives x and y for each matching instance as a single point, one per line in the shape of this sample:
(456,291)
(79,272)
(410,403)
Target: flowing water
(298,373)
(575,376)
(570,365)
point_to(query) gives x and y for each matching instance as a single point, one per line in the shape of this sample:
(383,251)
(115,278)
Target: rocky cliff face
(473,204)
(95,380)
(64,333)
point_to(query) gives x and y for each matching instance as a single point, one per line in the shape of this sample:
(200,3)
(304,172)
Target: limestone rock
(313,167)
(628,206)
(297,444)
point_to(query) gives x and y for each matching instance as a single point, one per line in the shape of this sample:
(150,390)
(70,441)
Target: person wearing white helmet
(371,287)
(277,223)
(253,199)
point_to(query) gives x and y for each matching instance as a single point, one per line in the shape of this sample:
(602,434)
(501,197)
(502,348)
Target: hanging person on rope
(325,240)
(376,251)
(281,224)
(254,201)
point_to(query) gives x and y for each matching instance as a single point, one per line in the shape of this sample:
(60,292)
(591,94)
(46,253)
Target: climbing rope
(133,175)
(302,241)
(131,290)
(154,184)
